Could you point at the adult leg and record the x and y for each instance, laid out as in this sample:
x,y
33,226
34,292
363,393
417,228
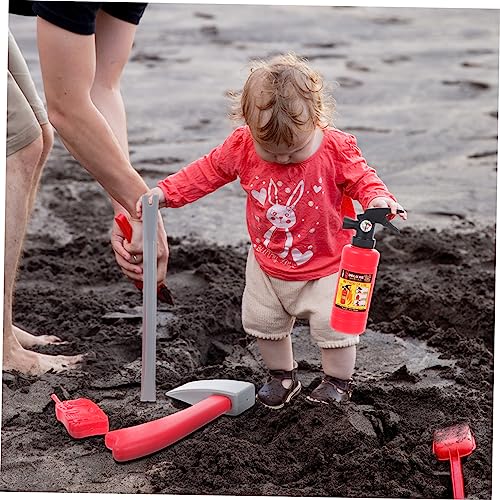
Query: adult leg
x,y
26,339
47,143
24,105
113,43
19,185
29,141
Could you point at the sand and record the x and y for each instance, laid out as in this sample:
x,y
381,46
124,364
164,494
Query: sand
x,y
419,89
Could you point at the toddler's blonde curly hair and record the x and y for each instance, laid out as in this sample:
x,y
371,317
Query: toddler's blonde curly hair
x,y
280,97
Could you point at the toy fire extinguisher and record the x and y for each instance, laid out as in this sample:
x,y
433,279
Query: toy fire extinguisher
x,y
358,268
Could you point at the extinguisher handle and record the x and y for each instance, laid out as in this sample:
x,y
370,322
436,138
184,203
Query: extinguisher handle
x,y
379,216
364,224
350,223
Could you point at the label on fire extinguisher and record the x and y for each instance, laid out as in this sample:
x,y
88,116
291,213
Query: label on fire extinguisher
x,y
353,291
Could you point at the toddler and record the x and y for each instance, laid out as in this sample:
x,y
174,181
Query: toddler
x,y
300,175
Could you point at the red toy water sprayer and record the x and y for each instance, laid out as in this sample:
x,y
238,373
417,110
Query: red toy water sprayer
x,y
358,268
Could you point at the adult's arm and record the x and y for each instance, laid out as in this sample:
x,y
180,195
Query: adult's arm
x,y
67,62
68,66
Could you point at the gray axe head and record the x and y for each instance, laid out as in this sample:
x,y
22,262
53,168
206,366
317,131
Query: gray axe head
x,y
241,394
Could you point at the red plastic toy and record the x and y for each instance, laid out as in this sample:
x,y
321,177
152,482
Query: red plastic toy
x,y
143,439
81,417
163,293
210,399
358,269
452,443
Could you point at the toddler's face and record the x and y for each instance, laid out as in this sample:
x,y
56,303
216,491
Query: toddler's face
x,y
300,150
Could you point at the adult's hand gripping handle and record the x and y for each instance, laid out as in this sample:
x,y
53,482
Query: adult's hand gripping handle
x,y
163,293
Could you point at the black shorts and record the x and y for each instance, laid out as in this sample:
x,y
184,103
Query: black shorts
x,y
79,17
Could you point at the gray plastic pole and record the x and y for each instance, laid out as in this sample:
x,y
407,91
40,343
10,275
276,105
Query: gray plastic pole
x,y
148,370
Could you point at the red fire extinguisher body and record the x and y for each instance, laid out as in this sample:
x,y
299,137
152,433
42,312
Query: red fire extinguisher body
x,y
355,282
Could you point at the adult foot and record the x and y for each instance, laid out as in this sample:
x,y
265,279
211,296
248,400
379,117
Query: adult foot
x,y
28,340
33,363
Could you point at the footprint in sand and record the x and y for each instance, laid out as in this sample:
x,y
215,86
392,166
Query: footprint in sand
x,y
147,58
467,64
396,59
468,86
169,160
326,45
204,15
211,30
356,66
391,20
369,129
479,52
312,57
483,154
349,83
197,126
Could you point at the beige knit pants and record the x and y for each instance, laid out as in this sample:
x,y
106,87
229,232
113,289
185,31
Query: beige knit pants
x,y
270,307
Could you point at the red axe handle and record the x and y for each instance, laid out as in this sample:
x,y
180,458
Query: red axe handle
x,y
143,439
124,225
163,292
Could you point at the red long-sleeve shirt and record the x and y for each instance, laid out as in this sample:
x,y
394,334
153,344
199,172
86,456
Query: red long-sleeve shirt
x,y
295,211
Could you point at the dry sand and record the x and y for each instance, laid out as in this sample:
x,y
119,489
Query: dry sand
x,y
419,88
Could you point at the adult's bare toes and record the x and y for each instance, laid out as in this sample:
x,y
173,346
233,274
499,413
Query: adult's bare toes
x,y
60,363
50,339
33,363
28,340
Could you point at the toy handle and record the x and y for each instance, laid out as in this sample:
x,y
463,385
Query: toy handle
x,y
143,439
124,225
457,479
163,292
55,399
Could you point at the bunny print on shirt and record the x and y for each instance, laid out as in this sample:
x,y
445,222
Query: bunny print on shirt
x,y
282,217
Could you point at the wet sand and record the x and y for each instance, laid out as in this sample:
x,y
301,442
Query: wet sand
x,y
418,87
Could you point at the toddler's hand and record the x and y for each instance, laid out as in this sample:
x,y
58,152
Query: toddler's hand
x,y
150,194
384,202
